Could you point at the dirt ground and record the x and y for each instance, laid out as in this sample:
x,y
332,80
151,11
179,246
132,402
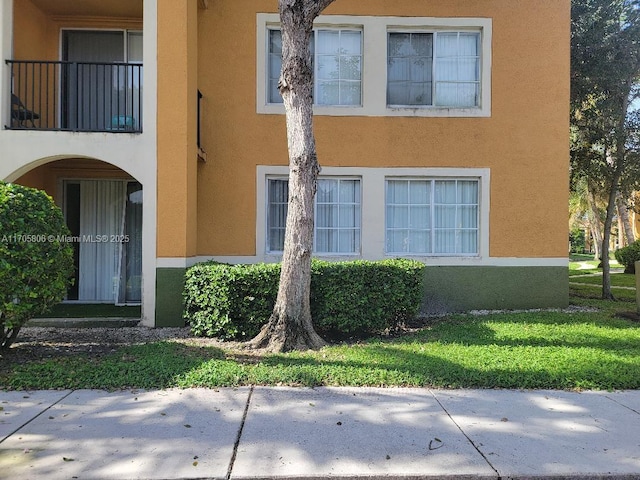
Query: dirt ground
x,y
38,343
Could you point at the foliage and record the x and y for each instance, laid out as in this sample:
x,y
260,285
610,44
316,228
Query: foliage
x,y
360,297
36,263
577,240
347,298
538,349
229,301
628,255
605,69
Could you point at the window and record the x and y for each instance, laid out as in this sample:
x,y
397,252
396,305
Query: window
x,y
387,66
432,217
433,69
337,62
337,215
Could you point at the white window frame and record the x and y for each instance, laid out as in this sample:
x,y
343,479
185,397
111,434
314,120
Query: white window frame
x,y
316,64
433,229
434,66
356,253
372,210
374,63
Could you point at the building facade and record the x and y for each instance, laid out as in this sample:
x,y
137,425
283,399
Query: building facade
x,y
441,128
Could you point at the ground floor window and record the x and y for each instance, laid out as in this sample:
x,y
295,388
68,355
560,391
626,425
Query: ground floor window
x,y
438,214
431,216
337,215
105,220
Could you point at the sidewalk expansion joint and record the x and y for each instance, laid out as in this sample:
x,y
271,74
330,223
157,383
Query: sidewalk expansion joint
x,y
32,419
466,436
622,404
237,442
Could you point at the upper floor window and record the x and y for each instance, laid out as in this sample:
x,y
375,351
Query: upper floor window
x,y
386,66
337,64
433,69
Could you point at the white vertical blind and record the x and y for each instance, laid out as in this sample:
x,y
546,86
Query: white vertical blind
x,y
432,216
274,65
337,228
457,69
102,207
337,215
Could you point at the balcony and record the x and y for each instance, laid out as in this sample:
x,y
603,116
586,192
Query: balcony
x,y
76,96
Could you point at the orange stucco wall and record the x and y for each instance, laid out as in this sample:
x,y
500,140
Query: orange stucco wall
x,y
49,177
524,142
36,34
177,127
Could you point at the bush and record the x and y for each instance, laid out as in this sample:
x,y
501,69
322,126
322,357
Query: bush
x,y
347,298
362,297
627,256
36,263
230,301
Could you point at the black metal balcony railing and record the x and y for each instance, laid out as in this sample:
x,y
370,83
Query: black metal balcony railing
x,y
76,96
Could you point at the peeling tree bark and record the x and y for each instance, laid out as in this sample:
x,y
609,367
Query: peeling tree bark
x,y
290,326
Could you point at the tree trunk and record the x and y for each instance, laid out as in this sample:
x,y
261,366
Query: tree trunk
x,y
625,221
595,224
290,326
614,186
606,237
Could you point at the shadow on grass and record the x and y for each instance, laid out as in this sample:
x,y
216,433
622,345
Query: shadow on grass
x,y
548,330
550,350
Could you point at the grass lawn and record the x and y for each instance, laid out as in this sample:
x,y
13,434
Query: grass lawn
x,y
617,280
594,291
555,350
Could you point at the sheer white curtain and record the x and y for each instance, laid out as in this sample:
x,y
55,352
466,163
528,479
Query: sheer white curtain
x,y
456,217
337,216
102,210
432,216
457,69
408,216
409,69
275,65
130,274
277,214
338,55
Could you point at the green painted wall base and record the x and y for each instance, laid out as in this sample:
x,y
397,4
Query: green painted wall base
x,y
447,289
459,289
169,303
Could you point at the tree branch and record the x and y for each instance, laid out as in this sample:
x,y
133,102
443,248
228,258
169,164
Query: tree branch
x,y
318,6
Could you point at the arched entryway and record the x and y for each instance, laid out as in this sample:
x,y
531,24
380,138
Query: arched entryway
x,y
103,208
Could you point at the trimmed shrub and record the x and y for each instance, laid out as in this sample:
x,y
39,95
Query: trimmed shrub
x,y
627,256
230,301
363,297
36,262
347,298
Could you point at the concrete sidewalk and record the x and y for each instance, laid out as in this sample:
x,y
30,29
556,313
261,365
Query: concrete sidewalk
x,y
266,432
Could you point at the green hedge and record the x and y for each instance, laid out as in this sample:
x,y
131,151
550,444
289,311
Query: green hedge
x,y
627,256
347,298
36,262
